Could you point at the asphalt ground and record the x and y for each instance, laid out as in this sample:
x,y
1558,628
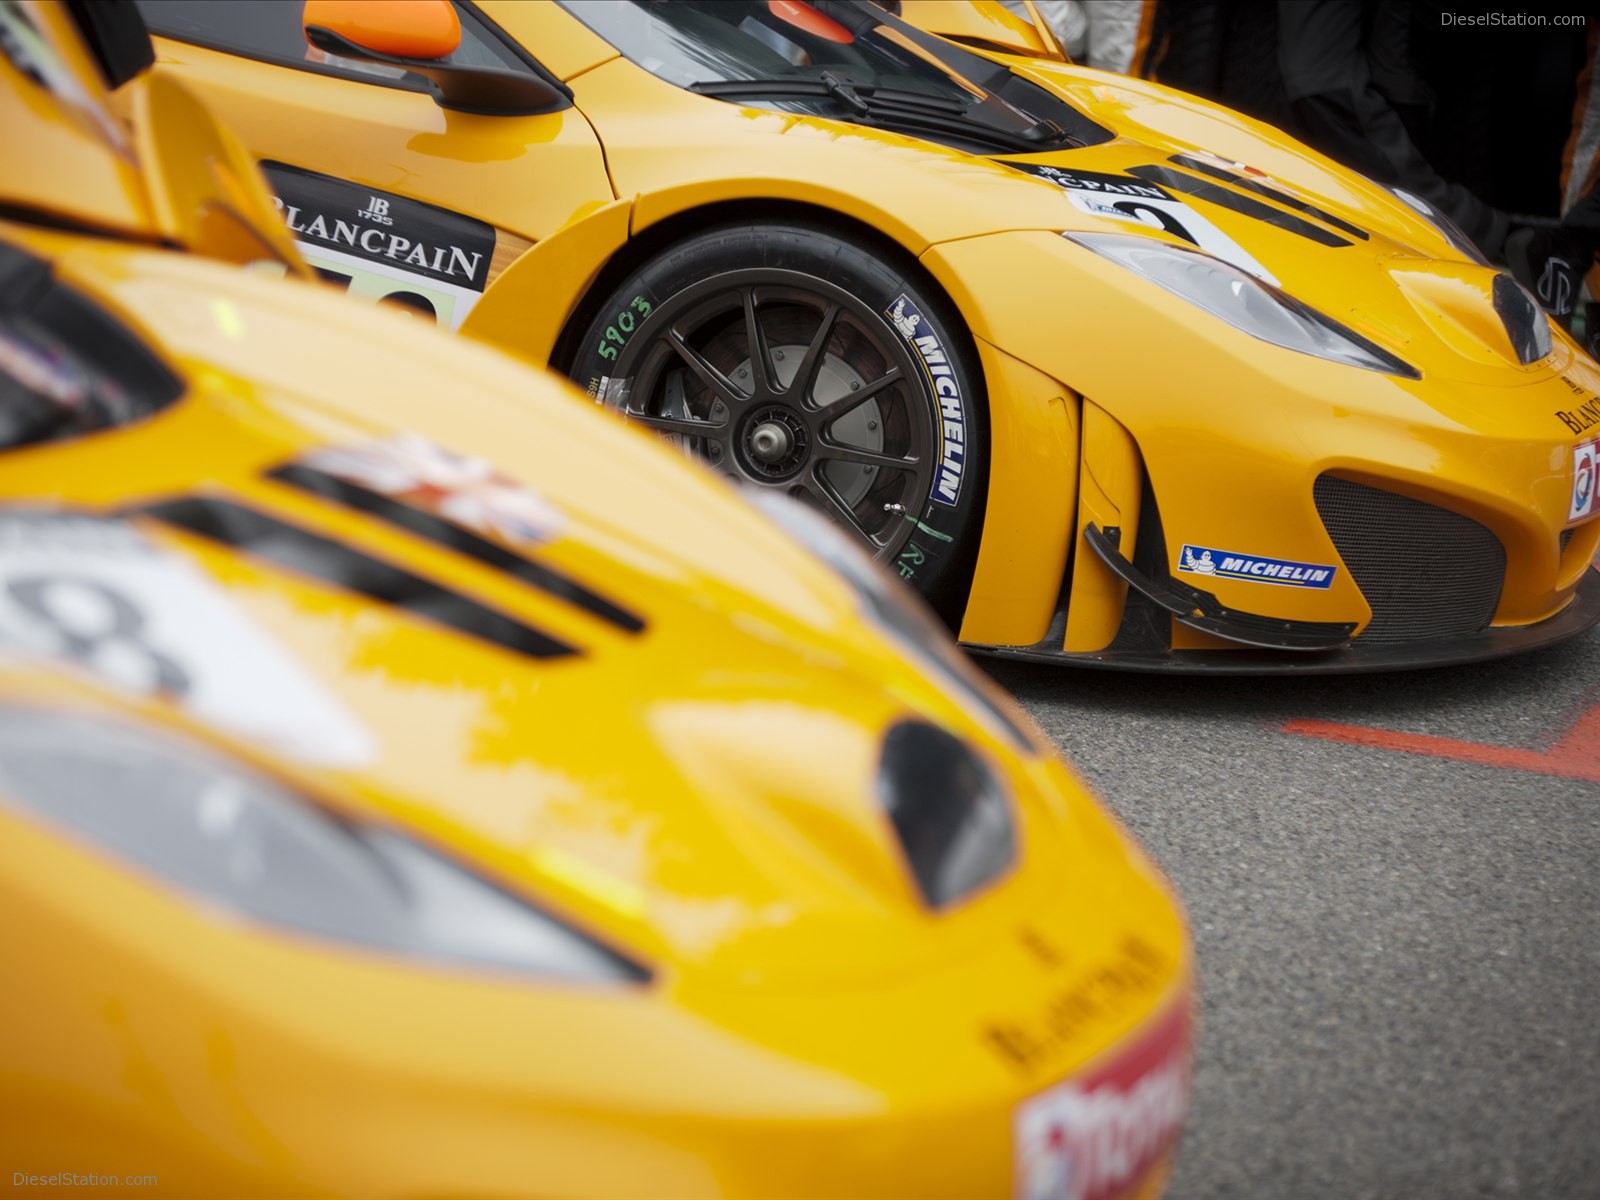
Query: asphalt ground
x,y
1398,934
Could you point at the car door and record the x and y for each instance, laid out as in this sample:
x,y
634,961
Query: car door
x,y
386,192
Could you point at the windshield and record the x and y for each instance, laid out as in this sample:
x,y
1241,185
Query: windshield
x,y
849,61
689,42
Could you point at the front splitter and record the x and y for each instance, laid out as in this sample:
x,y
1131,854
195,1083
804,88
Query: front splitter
x,y
1582,614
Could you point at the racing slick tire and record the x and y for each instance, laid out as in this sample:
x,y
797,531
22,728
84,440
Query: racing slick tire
x,y
863,401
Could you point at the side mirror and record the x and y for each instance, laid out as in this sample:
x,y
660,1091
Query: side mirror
x,y
401,28
415,35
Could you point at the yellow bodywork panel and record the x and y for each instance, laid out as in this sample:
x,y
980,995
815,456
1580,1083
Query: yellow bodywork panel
x,y
1028,524
205,189
986,22
518,313
1110,479
529,175
59,112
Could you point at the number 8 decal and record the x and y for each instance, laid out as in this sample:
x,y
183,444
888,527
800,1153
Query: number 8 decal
x,y
90,622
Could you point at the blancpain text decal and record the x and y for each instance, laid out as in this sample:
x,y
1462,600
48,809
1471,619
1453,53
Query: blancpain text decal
x,y
385,247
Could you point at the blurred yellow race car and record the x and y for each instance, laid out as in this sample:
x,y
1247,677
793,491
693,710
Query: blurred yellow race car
x,y
415,784
1112,375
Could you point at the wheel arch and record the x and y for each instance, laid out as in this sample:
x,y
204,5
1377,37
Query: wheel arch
x,y
653,239
647,241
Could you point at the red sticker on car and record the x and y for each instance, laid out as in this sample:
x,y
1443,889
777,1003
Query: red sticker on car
x,y
1091,1137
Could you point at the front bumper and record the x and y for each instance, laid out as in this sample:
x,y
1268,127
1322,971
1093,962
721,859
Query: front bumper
x,y
1430,516
1582,614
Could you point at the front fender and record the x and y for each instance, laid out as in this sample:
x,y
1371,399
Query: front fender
x,y
525,309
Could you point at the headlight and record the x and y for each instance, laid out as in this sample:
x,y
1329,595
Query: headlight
x,y
948,810
247,844
1242,300
1443,225
890,606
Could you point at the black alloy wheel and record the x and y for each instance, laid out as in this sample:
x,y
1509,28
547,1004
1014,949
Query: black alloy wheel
x,y
791,360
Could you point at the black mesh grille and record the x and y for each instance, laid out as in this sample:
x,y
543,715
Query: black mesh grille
x,y
1566,536
1427,572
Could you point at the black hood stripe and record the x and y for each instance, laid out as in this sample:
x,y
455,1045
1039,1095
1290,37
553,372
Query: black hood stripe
x,y
1215,193
1245,183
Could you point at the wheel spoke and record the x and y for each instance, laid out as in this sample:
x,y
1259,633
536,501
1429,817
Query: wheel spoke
x,y
838,452
687,426
720,384
805,378
851,401
760,353
837,508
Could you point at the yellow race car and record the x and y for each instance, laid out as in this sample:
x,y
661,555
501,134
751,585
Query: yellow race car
x,y
379,822
1112,375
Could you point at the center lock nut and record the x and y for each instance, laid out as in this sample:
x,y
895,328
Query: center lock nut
x,y
774,443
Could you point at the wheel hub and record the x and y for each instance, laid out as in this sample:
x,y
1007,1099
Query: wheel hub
x,y
830,412
770,441
774,444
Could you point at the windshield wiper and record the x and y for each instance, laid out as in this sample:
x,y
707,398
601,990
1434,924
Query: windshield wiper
x,y
844,93
893,107
826,84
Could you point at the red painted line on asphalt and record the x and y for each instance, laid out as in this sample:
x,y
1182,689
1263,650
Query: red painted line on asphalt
x,y
1575,756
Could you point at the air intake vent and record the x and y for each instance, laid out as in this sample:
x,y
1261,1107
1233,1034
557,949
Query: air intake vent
x,y
1428,573
1525,322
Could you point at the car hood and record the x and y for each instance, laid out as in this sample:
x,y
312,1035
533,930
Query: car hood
x,y
694,776
1286,214
1241,190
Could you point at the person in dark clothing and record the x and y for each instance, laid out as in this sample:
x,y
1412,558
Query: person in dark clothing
x,y
1355,95
1553,262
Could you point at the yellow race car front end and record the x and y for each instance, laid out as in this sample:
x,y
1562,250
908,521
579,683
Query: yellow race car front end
x,y
1115,377
413,783
464,838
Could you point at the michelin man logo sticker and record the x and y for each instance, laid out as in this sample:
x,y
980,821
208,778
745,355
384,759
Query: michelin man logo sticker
x,y
1224,564
952,423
